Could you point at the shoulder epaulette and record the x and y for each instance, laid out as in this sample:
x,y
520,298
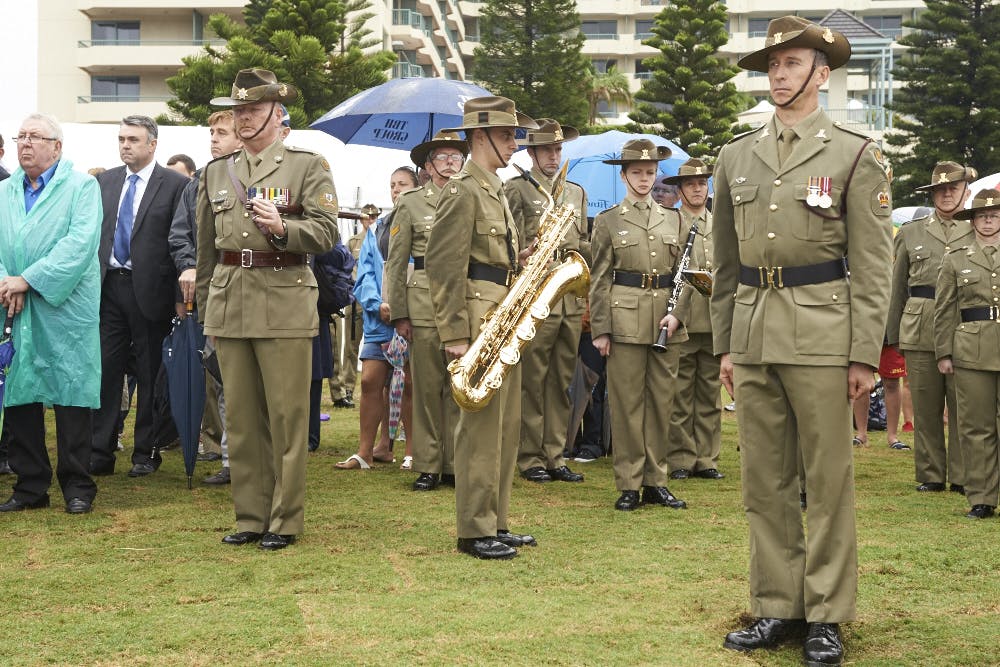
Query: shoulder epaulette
x,y
956,250
298,149
609,209
920,219
850,130
744,135
223,157
414,191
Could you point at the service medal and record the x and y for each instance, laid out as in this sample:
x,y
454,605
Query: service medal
x,y
825,187
812,199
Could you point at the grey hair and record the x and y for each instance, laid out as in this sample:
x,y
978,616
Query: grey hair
x,y
143,121
54,128
821,60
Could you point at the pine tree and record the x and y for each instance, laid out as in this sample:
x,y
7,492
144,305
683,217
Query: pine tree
x,y
950,107
530,51
690,93
311,44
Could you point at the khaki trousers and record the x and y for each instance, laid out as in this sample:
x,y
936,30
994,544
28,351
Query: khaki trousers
x,y
267,383
931,391
547,365
696,421
211,420
978,395
784,411
641,386
485,454
434,412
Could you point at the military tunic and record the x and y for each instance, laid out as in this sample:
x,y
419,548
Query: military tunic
x,y
920,246
696,422
474,224
970,278
434,413
791,347
548,361
637,237
264,320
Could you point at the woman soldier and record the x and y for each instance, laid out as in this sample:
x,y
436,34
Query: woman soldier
x,y
636,247
967,343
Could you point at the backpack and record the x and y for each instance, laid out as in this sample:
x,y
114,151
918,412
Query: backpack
x,y
334,276
876,409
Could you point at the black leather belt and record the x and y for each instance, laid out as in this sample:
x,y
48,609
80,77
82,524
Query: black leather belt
x,y
418,263
116,271
792,276
643,280
491,273
922,291
251,259
980,314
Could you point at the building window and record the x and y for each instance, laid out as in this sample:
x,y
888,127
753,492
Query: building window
x,y
114,88
600,29
890,26
644,29
757,27
602,66
606,109
642,71
114,32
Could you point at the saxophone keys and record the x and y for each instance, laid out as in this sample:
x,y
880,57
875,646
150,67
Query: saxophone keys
x,y
509,356
540,311
526,330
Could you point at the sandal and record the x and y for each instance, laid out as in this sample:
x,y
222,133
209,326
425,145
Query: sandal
x,y
353,462
407,463
858,442
899,445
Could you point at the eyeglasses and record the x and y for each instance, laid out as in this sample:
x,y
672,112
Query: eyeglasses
x,y
442,158
992,217
28,139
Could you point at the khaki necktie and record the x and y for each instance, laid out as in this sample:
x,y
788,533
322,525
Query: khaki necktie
x,y
990,251
786,144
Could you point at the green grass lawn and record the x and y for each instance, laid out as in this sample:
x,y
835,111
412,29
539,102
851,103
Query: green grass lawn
x,y
144,579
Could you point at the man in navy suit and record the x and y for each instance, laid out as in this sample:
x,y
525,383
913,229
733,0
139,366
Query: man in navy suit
x,y
138,288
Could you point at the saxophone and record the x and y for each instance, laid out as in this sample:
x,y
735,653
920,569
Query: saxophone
x,y
480,372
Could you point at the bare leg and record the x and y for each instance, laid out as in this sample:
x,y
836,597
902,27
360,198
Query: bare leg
x,y
893,399
860,407
373,376
407,409
907,402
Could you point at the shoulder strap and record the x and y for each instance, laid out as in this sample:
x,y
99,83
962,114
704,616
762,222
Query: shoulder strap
x,y
241,191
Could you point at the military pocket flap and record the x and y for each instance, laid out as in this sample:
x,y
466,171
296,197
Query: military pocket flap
x,y
743,194
221,276
491,227
627,240
967,279
626,301
289,277
970,327
746,294
223,202
914,306
821,295
670,239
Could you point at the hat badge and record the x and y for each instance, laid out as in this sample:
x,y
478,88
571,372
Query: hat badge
x,y
697,171
777,38
828,36
559,134
282,90
241,94
989,201
645,154
942,177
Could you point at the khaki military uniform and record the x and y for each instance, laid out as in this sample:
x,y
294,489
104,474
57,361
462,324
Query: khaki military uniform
x,y
264,320
970,278
791,347
474,224
920,246
346,335
548,361
637,237
696,422
434,412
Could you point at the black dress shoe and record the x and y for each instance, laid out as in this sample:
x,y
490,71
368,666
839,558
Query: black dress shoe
x,y
78,506
536,474
823,646
660,495
765,633
239,539
564,474
218,479
930,486
515,540
709,473
141,470
99,470
487,548
15,505
447,479
343,403
210,456
428,481
680,473
628,501
5,468
273,541
957,488
981,512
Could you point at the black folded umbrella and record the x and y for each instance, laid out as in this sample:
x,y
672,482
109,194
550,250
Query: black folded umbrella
x,y
182,358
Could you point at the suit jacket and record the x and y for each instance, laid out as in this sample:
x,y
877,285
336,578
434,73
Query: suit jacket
x,y
154,277
761,218
920,245
969,278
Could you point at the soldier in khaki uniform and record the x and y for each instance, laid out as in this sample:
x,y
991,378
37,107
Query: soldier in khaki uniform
x,y
636,247
434,413
548,361
795,202
471,257
967,344
920,246
696,422
257,296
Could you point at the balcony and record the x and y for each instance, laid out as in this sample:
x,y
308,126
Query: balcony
x,y
111,109
106,55
406,70
601,35
145,8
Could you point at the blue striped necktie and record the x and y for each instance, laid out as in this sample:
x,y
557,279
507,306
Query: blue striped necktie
x,y
126,216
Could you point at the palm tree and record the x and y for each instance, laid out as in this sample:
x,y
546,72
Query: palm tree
x,y
610,86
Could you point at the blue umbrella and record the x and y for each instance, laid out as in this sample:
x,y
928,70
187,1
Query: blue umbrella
x,y
400,113
182,352
602,182
6,357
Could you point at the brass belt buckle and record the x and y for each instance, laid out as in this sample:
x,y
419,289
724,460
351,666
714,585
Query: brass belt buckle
x,y
995,312
766,274
510,279
246,258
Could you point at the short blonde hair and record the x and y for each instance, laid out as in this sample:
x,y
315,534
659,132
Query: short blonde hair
x,y
226,115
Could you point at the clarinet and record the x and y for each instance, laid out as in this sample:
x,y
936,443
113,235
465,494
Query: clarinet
x,y
661,342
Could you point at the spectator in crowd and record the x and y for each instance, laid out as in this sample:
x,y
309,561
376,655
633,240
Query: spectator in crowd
x,y
347,329
182,164
50,228
138,291
666,193
4,174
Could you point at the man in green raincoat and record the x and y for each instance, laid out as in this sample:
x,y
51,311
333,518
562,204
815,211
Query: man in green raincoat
x,y
50,224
